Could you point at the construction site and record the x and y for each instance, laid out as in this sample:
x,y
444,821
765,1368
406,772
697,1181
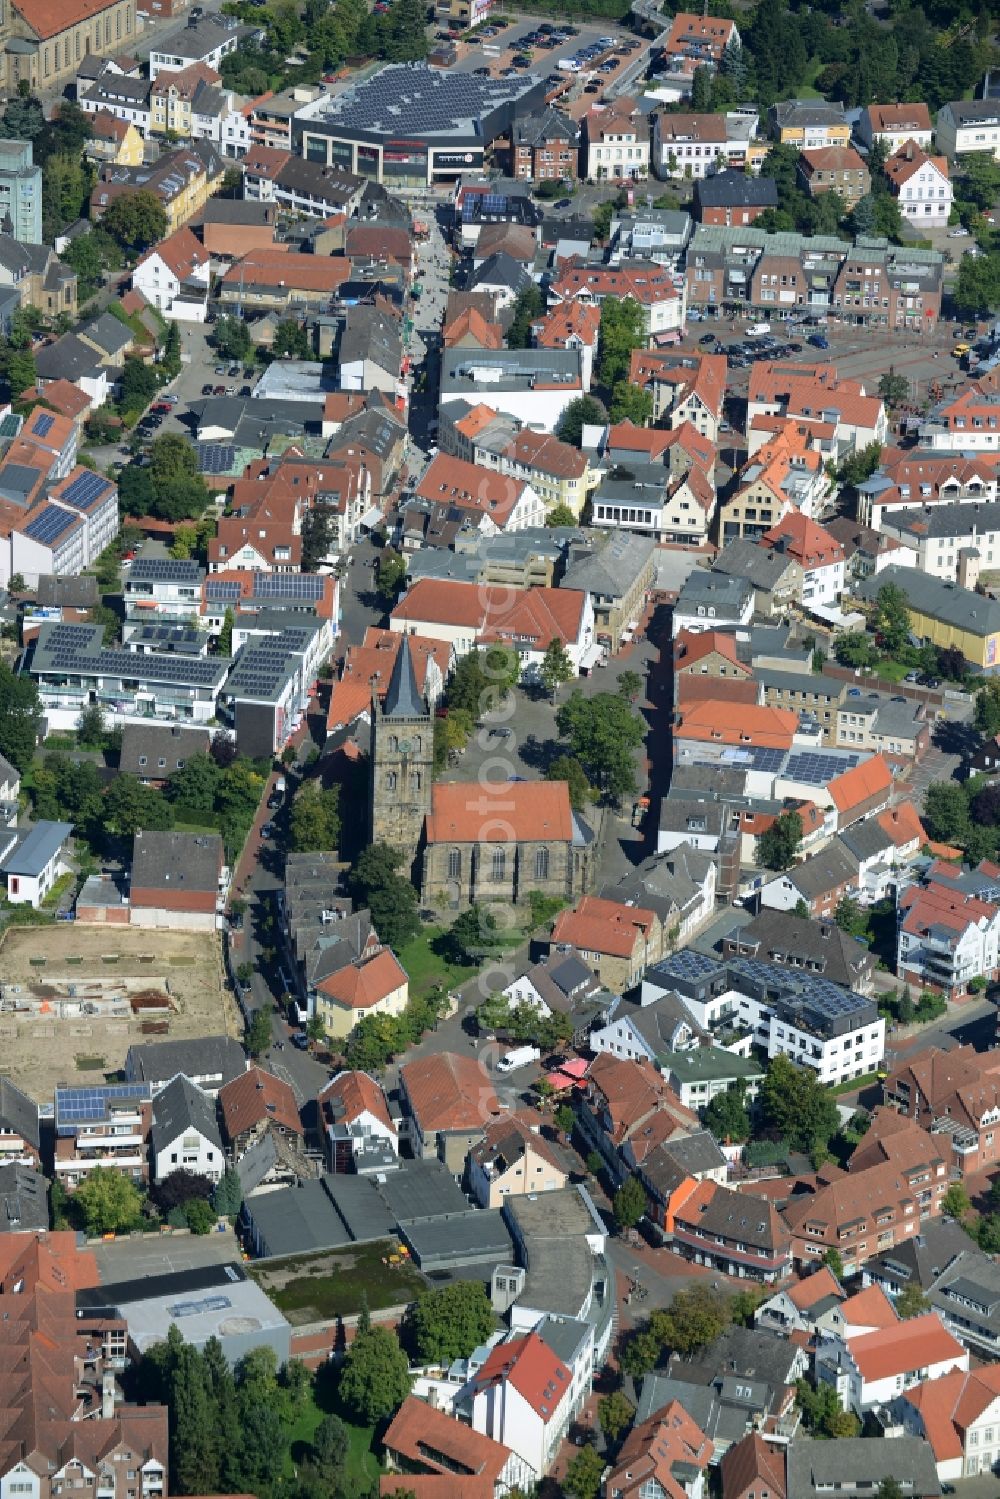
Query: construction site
x,y
72,1005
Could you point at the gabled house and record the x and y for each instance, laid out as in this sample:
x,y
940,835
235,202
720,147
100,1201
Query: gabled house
x,y
868,1370
184,1134
668,1455
355,1120
512,1160
734,1232
921,185
258,1103
448,1103
522,1398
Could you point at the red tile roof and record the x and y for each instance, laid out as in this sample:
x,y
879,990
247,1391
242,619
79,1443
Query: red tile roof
x,y
905,1346
949,1405
181,252
813,1288
427,1438
258,1097
47,18
692,646
469,486
521,812
270,266
869,1308
713,721
355,1093
799,537
603,926
753,1465
449,1092
365,984
653,1452
850,789
530,1367
908,160
537,615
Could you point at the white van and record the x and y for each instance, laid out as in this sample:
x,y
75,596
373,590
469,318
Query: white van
x,y
519,1057
757,330
568,65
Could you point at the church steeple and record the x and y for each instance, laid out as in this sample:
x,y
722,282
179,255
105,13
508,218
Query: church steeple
x,y
402,700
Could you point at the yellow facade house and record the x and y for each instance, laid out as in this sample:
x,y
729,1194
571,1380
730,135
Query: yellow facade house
x,y
371,986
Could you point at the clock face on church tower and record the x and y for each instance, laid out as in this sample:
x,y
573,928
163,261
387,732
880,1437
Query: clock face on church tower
x,y
405,746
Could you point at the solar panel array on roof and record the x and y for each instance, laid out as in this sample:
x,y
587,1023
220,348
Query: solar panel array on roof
x,y
818,768
288,586
43,423
215,457
687,964
412,98
766,759
164,570
75,1106
85,489
49,525
222,590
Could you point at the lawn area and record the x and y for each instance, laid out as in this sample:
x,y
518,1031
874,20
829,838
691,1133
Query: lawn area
x,y
892,671
362,1467
316,1287
854,1084
426,969
807,89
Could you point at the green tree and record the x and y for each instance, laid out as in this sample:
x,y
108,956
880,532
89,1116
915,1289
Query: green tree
x,y
258,1038
318,536
109,1201
794,1105
193,1436
726,1115
912,1302
986,717
615,1413
19,716
472,934
565,1119
955,1202
630,685
227,1199
528,307
135,220
621,331
701,90
196,784
854,649
603,733
199,1216
556,667
375,882
833,1262
447,1324
225,641
631,403
314,825
584,411
502,670
231,337
893,388
852,918
291,341
17,368
375,1379
946,812
16,585
629,1203
24,118
452,733
391,576
889,1488
582,1479
330,1443
137,384
778,845
467,686
129,807
560,515
92,727
568,768
891,619
696,1316
743,1305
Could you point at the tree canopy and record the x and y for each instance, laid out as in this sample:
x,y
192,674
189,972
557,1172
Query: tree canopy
x,y
449,1323
603,733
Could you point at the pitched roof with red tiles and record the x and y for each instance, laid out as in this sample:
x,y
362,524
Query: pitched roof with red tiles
x,y
470,323
902,824
424,1436
629,1093
691,687
692,646
854,787
647,283
47,18
568,324
505,1142
812,1289
753,1465
180,252
476,421
269,266
265,161
452,481
350,1095
64,397
904,1347
449,1092
962,1084
871,1309
701,375
653,1452
363,985
709,34
713,721
368,667
105,126
537,615
907,161
527,812
185,82
530,1367
545,453
603,926
652,442
832,159
258,1097
804,540
949,1405
937,908
893,118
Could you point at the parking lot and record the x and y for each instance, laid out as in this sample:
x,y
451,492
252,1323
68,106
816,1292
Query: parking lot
x,y
479,52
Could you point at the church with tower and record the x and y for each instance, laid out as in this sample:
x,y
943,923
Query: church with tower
x,y
463,841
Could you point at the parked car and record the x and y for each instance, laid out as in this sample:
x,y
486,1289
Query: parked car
x,y
818,341
267,830
206,390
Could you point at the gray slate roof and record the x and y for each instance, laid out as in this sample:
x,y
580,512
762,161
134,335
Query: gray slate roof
x,y
180,1106
34,851
859,1464
18,1113
613,569
167,861
153,742
732,189
24,1200
205,1056
944,601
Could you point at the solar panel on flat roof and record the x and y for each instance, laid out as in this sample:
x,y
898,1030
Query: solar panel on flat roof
x,y
215,457
288,585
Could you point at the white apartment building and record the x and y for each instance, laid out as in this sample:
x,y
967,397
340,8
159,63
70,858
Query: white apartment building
x,y
967,125
870,1370
921,185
